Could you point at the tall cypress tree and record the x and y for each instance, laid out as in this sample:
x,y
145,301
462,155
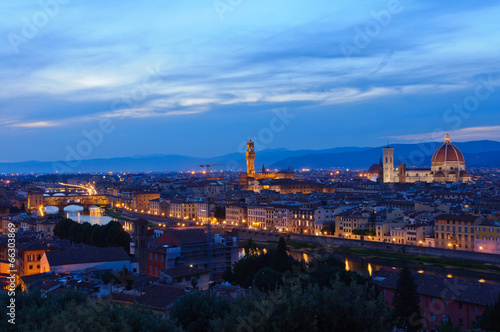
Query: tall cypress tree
x,y
406,301
490,319
280,259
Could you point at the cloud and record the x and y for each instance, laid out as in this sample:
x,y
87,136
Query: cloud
x,y
464,134
252,61
37,124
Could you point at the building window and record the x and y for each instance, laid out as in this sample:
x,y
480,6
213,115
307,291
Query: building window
x,y
433,316
474,308
459,305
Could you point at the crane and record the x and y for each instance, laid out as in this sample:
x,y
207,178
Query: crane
x,y
212,165
223,178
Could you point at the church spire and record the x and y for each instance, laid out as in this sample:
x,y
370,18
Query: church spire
x,y
447,138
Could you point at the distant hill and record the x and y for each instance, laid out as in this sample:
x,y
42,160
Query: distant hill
x,y
476,153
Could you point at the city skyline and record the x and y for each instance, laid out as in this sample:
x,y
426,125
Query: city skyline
x,y
300,76
229,165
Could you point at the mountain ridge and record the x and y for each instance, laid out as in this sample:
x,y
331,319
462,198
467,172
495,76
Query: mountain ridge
x,y
476,154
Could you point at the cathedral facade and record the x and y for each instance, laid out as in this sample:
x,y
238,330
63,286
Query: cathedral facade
x,y
447,165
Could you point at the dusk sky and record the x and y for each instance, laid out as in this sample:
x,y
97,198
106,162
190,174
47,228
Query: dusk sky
x,y
198,78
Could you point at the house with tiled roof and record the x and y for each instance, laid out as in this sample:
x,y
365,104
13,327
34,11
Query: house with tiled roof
x,y
81,259
442,298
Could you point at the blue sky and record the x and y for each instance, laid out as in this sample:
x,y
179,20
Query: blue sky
x,y
199,77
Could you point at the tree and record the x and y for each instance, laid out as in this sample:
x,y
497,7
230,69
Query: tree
x,y
330,230
194,310
126,279
371,221
406,301
447,327
109,235
94,235
490,319
72,310
280,261
220,212
84,233
294,308
245,269
194,282
324,271
73,232
108,277
267,279
251,248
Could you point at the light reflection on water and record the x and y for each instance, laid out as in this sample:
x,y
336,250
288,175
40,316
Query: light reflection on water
x,y
92,219
365,267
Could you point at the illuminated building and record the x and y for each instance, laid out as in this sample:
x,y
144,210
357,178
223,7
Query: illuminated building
x,y
447,165
455,231
247,178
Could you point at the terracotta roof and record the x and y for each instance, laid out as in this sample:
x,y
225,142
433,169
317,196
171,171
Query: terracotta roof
x,y
122,297
160,296
373,168
188,236
447,152
86,255
469,291
184,271
456,217
464,174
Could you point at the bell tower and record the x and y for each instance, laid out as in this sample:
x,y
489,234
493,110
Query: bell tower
x,y
250,155
388,165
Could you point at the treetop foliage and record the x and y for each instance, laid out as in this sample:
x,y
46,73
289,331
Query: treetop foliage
x,y
110,235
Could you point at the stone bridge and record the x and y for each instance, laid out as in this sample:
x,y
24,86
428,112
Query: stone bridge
x,y
85,201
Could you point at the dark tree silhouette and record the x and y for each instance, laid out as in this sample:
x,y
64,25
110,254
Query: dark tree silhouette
x,y
490,319
280,261
406,301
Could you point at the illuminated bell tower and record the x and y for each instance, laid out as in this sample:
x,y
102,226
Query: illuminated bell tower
x,y
250,155
388,165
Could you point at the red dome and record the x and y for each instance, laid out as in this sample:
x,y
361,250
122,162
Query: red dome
x,y
464,174
439,175
447,152
373,169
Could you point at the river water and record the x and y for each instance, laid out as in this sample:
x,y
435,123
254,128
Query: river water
x,y
367,265
95,217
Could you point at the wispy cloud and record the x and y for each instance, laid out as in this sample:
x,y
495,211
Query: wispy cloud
x,y
464,134
37,124
70,76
